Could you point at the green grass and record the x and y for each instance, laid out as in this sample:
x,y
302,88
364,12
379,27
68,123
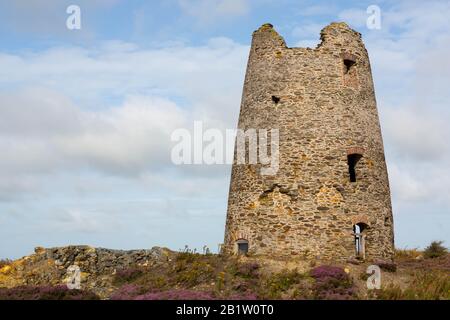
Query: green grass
x,y
424,286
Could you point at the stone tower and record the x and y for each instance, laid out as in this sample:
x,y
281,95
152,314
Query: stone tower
x,y
330,197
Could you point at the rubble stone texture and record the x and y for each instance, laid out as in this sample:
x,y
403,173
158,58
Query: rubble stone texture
x,y
327,117
49,266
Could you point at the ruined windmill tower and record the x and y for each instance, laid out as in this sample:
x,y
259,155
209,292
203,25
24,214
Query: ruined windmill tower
x,y
330,197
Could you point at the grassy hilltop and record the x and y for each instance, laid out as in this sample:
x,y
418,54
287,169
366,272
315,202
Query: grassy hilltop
x,y
160,273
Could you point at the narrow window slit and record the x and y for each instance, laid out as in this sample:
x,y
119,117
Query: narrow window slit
x,y
275,99
352,160
348,65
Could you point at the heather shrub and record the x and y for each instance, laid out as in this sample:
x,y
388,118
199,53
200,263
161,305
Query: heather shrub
x,y
176,294
127,275
127,292
326,272
136,292
435,250
187,270
332,283
193,273
247,270
46,293
150,278
278,283
387,266
154,281
240,287
243,296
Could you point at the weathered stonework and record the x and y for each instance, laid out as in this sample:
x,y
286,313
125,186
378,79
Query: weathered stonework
x,y
49,266
323,102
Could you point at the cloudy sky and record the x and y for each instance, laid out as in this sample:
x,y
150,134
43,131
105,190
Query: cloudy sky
x,y
86,115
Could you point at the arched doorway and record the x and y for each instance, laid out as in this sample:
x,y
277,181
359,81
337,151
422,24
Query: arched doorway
x,y
360,235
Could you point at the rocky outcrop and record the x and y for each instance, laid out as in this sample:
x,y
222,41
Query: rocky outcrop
x,y
49,266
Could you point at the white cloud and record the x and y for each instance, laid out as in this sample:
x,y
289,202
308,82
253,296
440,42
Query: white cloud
x,y
132,137
309,35
208,77
357,17
208,11
316,10
411,74
43,131
47,17
37,112
107,109
416,134
74,220
85,132
417,19
419,183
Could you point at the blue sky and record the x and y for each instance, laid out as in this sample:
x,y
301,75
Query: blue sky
x,y
86,115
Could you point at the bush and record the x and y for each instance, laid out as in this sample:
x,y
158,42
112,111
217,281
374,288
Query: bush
x,y
328,272
46,293
127,292
135,292
332,283
176,294
387,266
187,257
279,283
435,250
195,273
127,275
249,270
245,296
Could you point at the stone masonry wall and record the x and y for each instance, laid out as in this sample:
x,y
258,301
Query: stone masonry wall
x,y
326,110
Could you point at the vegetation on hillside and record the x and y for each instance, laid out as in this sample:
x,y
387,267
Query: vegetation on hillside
x,y
45,293
4,262
188,275
196,276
